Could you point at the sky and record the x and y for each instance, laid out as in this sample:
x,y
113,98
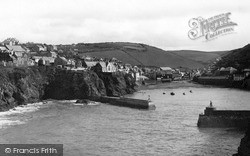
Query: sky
x,y
160,23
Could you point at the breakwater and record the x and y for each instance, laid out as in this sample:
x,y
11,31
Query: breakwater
x,y
220,81
125,102
224,118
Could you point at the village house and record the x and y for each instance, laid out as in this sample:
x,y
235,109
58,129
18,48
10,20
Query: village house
x,y
80,64
137,73
177,75
90,64
71,63
52,54
10,41
99,67
16,49
60,61
41,47
44,57
19,55
238,77
104,66
51,48
34,49
111,67
43,60
246,72
150,69
26,49
166,72
227,71
127,67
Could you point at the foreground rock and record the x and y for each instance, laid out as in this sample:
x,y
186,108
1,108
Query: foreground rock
x,y
244,148
20,86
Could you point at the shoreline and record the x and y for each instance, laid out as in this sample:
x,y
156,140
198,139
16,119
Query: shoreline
x,y
173,84
223,82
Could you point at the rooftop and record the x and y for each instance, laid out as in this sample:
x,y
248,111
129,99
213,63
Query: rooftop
x,y
15,48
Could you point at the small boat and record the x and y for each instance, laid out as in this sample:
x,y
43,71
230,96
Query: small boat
x,y
172,93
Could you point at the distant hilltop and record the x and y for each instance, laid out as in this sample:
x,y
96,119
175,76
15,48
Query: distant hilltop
x,y
145,55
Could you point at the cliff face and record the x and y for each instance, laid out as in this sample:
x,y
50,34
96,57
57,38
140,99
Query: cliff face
x,y
83,84
73,85
19,86
117,84
25,85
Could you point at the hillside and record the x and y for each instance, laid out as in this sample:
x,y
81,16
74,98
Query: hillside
x,y
200,56
137,54
238,58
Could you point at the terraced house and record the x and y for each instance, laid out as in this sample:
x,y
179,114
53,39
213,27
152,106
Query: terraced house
x,y
19,55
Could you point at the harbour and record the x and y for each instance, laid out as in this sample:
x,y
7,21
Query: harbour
x,y
111,130
124,78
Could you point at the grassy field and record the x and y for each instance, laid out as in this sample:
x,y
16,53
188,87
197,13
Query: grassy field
x,y
141,54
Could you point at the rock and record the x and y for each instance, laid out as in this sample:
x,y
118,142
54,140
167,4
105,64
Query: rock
x,y
19,86
118,84
83,101
74,85
244,148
